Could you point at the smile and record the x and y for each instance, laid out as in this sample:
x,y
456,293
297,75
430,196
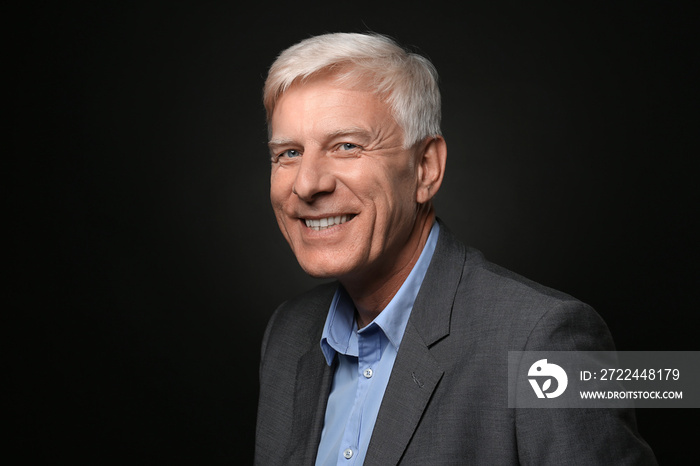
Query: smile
x,y
323,223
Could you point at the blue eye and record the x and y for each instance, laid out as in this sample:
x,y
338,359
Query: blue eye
x,y
291,153
348,146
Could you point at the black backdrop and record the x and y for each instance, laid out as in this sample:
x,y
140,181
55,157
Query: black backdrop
x,y
144,259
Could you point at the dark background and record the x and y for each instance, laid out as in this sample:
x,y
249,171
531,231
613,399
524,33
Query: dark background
x,y
144,259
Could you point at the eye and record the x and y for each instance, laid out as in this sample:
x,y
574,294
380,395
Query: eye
x,y
348,146
286,155
290,153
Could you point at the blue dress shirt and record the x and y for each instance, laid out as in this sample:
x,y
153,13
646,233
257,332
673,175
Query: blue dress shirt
x,y
365,359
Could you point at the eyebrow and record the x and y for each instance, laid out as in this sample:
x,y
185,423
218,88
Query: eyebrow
x,y
351,131
280,142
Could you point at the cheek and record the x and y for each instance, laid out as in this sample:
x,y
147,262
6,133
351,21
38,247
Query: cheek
x,y
398,191
384,180
279,189
277,200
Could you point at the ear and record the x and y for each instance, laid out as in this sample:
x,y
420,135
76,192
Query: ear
x,y
431,168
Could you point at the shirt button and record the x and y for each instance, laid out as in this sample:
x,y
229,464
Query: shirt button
x,y
347,454
368,373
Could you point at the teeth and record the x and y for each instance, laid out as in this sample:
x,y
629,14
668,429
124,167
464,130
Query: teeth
x,y
323,223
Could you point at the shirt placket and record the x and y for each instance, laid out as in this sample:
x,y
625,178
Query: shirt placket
x,y
369,353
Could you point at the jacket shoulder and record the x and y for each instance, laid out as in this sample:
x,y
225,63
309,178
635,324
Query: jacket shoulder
x,y
504,305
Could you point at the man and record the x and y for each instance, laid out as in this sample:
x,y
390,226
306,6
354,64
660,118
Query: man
x,y
402,360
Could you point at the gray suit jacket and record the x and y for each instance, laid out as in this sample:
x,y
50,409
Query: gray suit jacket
x,y
446,400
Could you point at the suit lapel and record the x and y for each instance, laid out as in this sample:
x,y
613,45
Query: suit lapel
x,y
313,384
414,378
416,373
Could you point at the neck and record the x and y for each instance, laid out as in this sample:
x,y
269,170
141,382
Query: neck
x,y
372,296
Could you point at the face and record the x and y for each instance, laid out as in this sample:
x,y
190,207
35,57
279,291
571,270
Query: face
x,y
343,187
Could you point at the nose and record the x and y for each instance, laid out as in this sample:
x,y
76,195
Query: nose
x,y
314,176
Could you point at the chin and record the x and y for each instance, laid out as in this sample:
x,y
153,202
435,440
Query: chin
x,y
319,274
325,267
320,270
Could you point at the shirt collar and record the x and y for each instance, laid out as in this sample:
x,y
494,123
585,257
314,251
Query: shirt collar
x,y
340,330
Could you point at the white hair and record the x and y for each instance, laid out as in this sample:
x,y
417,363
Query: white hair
x,y
406,81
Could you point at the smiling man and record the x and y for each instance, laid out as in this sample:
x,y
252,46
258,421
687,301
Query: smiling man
x,y
352,199
402,359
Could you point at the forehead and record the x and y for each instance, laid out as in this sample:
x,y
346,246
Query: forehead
x,y
324,105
